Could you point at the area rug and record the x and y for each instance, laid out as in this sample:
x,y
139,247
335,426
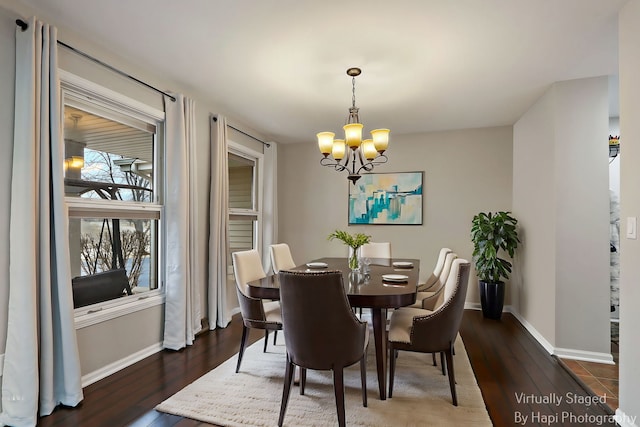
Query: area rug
x,y
421,394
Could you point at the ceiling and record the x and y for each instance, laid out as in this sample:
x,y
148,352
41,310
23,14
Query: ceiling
x,y
279,66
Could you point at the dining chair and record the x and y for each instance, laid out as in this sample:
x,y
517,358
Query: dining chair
x,y
375,250
433,298
281,258
437,270
321,332
425,331
247,266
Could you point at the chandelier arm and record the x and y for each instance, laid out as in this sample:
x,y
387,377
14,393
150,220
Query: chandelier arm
x,y
369,165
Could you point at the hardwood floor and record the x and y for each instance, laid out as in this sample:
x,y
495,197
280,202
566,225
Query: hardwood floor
x,y
509,365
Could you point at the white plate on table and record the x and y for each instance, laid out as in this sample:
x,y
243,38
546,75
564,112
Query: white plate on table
x,y
394,277
403,264
317,265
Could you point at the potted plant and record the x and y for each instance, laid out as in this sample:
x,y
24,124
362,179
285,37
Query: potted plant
x,y
493,234
353,241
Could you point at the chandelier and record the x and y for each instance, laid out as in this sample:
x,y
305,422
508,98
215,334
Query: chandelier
x,y
353,154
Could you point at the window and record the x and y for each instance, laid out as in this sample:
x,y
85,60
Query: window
x,y
113,174
244,200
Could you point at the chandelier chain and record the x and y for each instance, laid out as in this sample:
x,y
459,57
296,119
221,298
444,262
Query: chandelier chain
x,y
353,91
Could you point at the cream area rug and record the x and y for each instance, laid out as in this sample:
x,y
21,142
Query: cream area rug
x,y
421,394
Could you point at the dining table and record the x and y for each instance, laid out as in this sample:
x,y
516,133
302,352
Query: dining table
x,y
382,284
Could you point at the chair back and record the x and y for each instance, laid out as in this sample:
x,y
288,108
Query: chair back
x,y
320,329
247,266
437,270
281,258
437,331
440,284
376,250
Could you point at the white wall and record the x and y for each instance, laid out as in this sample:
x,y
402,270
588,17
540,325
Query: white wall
x,y
465,172
629,72
533,194
582,215
561,195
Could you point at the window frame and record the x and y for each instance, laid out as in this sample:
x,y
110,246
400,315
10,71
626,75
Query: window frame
x,y
257,190
76,90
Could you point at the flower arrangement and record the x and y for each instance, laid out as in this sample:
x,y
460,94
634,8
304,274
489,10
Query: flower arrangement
x,y
353,241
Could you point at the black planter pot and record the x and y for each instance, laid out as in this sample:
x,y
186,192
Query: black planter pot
x,y
491,299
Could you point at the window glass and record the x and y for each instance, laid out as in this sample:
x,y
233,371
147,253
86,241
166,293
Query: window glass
x,y
106,159
244,215
111,171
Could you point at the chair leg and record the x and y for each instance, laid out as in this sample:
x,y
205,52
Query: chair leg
x,y
433,356
338,390
392,368
243,341
363,378
303,380
275,336
266,336
452,378
286,391
444,372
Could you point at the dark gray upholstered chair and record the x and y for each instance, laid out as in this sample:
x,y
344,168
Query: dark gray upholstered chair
x,y
321,332
247,266
424,331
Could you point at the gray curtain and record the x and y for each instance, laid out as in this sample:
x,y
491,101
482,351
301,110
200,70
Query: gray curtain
x,y
218,225
42,364
182,303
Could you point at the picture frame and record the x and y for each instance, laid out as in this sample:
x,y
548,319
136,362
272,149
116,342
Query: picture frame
x,y
392,198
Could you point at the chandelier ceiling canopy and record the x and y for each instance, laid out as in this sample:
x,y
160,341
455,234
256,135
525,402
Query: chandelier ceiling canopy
x,y
353,154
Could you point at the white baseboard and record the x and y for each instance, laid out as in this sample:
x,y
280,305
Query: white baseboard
x,y
587,356
116,366
624,420
533,331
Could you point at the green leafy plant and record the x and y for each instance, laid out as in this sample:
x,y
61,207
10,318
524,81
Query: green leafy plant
x,y
492,233
354,241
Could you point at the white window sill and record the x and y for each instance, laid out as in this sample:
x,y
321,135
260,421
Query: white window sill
x,y
87,316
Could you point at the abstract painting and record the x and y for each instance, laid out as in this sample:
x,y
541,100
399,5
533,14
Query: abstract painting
x,y
387,198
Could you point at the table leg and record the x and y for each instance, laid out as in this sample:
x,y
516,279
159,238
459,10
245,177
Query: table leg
x,y
380,336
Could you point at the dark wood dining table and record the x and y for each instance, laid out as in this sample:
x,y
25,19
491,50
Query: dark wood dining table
x,y
364,290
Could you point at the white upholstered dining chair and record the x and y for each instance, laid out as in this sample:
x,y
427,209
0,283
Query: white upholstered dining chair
x,y
375,250
247,266
434,297
281,258
426,331
437,270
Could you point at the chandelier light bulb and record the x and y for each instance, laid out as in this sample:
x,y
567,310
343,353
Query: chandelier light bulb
x,y
338,149
325,142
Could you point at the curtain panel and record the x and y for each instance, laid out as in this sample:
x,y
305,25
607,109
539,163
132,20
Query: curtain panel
x,y
182,302
270,203
218,225
42,365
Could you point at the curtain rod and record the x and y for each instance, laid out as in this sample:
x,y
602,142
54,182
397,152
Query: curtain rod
x,y
23,25
215,119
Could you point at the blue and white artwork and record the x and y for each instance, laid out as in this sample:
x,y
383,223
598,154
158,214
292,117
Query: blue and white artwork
x,y
387,198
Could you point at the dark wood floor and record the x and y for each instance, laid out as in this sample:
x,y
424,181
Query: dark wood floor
x,y
507,361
